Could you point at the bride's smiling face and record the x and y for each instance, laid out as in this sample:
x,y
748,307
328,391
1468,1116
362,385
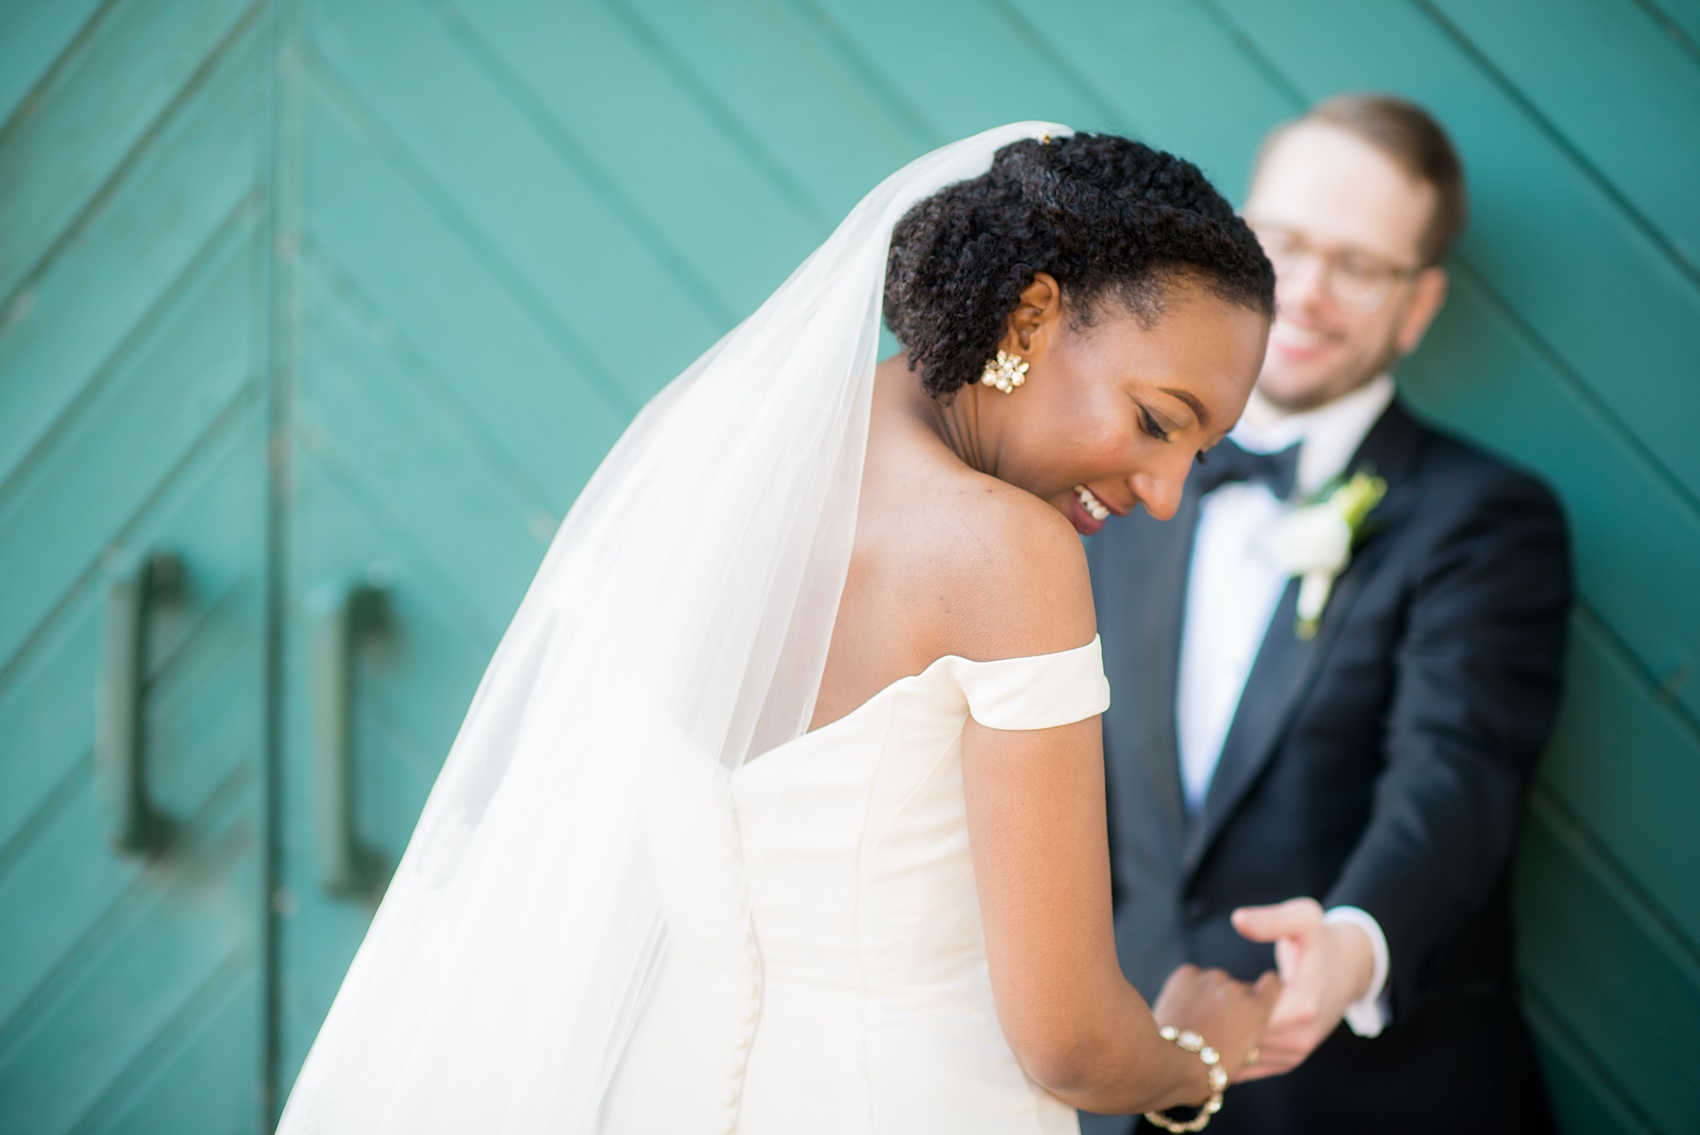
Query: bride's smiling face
x,y
1117,405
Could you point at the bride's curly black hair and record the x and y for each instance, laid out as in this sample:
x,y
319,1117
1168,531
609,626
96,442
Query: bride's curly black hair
x,y
1104,215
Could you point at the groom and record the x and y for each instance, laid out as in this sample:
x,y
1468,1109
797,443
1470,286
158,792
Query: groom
x,y
1338,797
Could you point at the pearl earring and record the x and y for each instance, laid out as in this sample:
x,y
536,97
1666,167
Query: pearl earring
x,y
1005,372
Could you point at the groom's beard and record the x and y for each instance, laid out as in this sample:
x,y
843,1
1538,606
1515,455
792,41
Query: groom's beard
x,y
1322,393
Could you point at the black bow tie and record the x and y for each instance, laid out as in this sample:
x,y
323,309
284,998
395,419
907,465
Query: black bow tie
x,y
1228,462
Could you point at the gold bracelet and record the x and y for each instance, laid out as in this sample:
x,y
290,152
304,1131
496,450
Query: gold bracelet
x,y
1192,1042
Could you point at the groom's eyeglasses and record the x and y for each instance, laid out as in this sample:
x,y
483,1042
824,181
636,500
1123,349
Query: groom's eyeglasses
x,y
1357,278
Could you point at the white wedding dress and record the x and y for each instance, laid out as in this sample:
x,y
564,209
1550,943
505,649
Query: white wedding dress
x,y
859,997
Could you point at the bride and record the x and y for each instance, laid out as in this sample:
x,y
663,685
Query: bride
x,y
780,806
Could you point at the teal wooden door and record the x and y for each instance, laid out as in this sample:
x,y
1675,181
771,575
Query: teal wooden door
x,y
341,301
132,423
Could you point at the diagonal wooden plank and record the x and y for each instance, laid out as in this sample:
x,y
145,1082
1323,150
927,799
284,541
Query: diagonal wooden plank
x,y
529,213
1627,765
437,649
693,186
134,255
46,718
844,48
33,38
1640,84
60,897
62,405
356,408
499,357
182,382
1607,969
345,304
149,962
967,83
790,85
46,715
128,76
730,136
1679,19
1481,373
198,1074
1174,77
1583,1095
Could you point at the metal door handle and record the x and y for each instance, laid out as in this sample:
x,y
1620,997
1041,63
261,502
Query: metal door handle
x,y
134,583
337,616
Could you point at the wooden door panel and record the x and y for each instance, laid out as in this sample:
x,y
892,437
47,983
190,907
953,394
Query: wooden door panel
x,y
389,248
133,422
411,685
714,201
1610,973
201,1075
802,101
190,377
385,427
1641,802
35,39
166,947
173,207
1641,84
519,183
94,111
1482,372
45,712
86,931
1579,1093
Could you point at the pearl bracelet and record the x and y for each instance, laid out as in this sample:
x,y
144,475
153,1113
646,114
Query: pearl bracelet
x,y
1192,1042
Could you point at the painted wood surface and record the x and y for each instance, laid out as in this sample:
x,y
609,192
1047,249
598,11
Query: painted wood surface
x,y
326,293
132,419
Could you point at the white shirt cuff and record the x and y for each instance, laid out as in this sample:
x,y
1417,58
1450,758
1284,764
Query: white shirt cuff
x,y
1372,1012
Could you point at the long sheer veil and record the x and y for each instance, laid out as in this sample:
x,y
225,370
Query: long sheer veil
x,y
578,843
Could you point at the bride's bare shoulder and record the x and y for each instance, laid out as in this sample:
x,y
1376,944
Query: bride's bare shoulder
x,y
953,561
1007,570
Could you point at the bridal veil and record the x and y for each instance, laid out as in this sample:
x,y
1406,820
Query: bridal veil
x,y
574,841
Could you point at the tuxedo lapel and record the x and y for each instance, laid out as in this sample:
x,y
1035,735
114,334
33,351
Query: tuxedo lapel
x,y
1286,665
1143,611
1169,571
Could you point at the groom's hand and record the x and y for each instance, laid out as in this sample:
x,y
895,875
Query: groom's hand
x,y
1324,967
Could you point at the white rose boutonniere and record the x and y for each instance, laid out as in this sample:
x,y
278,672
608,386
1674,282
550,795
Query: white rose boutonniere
x,y
1315,541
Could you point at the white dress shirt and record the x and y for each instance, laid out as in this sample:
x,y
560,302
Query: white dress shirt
x,y
1233,589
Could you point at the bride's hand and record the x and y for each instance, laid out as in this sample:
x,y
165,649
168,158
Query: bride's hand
x,y
1230,1015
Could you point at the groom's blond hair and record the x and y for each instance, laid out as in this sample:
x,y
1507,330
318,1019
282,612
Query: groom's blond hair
x,y
1416,143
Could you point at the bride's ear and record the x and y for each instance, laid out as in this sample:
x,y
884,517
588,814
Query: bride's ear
x,y
1036,316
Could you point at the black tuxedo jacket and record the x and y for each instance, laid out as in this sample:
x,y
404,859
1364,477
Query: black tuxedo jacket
x,y
1382,764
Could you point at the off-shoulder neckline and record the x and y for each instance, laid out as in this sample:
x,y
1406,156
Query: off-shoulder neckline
x,y
924,672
